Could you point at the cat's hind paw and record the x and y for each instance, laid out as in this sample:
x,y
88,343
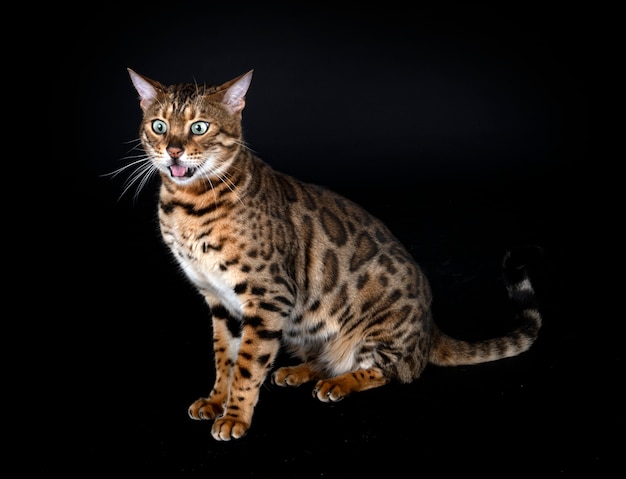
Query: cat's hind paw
x,y
293,375
330,391
339,387
205,409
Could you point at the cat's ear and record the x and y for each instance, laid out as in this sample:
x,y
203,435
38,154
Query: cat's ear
x,y
235,96
147,89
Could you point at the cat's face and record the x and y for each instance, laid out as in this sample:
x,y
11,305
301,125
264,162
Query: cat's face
x,y
189,140
190,132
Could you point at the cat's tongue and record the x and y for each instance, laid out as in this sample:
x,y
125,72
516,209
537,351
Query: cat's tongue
x,y
178,170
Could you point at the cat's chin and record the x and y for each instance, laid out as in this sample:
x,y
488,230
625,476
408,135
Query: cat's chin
x,y
183,181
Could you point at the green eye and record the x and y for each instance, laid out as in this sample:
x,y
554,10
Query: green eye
x,y
199,127
159,127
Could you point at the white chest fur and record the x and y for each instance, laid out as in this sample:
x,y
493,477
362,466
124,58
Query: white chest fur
x,y
202,268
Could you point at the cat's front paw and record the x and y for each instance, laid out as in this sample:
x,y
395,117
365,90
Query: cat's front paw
x,y
225,429
205,409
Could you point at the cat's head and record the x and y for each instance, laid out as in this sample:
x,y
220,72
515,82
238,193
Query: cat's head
x,y
191,132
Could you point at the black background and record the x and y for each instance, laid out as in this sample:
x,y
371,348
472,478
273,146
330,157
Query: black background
x,y
463,125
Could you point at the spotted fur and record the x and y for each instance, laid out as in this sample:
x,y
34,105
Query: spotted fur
x,y
282,263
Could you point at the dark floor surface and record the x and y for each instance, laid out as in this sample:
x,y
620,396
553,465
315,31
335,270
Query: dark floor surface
x,y
484,156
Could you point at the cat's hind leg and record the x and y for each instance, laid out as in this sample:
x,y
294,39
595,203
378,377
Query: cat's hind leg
x,y
295,375
330,389
337,388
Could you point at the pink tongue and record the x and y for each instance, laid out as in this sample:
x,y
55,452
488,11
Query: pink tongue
x,y
178,170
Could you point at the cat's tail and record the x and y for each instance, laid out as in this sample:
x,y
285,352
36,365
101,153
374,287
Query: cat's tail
x,y
448,351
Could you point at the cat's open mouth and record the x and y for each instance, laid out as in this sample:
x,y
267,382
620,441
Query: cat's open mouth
x,y
180,171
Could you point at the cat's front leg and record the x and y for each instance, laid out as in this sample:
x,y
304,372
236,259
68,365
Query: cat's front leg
x,y
226,333
260,341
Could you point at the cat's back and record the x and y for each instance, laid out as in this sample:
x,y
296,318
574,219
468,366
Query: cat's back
x,y
342,240
341,219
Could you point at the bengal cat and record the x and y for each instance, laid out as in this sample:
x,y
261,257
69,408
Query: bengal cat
x,y
282,263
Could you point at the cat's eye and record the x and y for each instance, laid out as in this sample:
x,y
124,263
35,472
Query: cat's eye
x,y
159,127
199,127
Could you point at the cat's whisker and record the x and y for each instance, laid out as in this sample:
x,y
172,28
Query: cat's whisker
x,y
137,146
134,140
140,180
147,174
143,170
245,145
224,178
140,157
207,176
114,173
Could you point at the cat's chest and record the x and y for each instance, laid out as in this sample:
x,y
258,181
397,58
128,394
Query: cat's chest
x,y
203,249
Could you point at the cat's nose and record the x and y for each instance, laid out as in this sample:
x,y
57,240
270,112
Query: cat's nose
x,y
174,152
